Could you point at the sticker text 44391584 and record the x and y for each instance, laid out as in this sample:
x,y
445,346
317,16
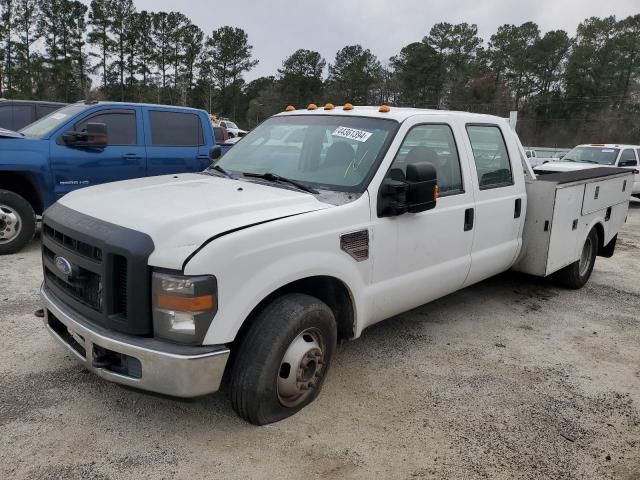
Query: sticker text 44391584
x,y
352,134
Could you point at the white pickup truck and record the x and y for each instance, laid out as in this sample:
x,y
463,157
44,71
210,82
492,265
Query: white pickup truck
x,y
320,223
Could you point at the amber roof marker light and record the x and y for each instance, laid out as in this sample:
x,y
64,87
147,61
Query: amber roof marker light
x,y
290,108
384,108
347,106
329,106
312,106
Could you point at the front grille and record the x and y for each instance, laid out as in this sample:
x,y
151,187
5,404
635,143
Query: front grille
x,y
120,285
84,249
86,289
110,280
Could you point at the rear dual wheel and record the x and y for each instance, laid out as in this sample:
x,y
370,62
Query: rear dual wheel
x,y
578,273
281,363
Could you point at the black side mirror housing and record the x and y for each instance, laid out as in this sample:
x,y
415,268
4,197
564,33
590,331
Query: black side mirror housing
x,y
418,193
215,153
94,136
423,187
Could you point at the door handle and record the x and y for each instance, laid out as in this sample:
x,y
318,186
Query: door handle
x,y
518,209
468,219
131,156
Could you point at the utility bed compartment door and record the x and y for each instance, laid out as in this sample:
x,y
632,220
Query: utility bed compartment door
x,y
563,243
605,193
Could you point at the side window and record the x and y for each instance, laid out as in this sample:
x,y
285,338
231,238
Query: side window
x,y
6,119
173,129
490,154
433,144
629,156
22,116
44,110
121,126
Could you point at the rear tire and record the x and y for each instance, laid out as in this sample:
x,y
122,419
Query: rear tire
x,y
282,361
578,273
17,222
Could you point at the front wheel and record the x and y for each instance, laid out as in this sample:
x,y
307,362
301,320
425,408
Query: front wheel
x,y
578,273
282,361
17,222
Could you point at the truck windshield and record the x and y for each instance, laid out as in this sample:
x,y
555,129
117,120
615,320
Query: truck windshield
x,y
47,124
330,152
599,155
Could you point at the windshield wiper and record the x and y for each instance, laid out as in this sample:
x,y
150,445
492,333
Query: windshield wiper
x,y
272,177
223,171
590,161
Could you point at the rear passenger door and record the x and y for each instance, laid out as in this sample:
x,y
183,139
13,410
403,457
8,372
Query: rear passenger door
x,y
175,143
500,200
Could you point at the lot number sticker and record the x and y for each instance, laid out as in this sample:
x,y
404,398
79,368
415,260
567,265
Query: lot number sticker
x,y
352,134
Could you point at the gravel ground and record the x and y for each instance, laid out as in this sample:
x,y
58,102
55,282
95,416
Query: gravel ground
x,y
511,378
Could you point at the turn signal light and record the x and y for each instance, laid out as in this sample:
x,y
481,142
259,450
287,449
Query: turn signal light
x,y
312,106
347,106
185,304
384,109
290,108
436,192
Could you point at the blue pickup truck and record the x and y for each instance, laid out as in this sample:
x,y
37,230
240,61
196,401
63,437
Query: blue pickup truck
x,y
89,143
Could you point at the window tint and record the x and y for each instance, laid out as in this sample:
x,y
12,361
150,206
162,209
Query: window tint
x,y
121,126
175,129
628,155
491,157
433,144
22,116
44,110
6,120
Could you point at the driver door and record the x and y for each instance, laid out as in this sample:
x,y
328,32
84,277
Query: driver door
x,y
423,256
124,156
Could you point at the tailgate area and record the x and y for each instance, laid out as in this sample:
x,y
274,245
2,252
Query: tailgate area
x,y
561,210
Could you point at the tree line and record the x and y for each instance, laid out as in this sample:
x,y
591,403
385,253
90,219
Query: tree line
x,y
566,88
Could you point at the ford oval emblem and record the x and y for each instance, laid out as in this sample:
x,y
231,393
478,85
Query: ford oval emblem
x,y
63,265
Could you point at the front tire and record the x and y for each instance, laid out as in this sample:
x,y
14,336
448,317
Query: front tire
x,y
17,222
578,273
282,361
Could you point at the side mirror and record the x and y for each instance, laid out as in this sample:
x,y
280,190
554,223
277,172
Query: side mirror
x,y
528,154
418,193
215,153
94,136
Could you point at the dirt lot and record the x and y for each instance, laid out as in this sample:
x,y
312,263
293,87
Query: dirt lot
x,y
512,378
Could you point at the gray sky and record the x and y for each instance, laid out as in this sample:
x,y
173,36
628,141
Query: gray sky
x,y
276,28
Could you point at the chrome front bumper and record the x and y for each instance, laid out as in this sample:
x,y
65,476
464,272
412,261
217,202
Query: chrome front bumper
x,y
162,367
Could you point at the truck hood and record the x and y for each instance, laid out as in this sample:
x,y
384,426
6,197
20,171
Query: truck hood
x,y
568,166
181,212
4,133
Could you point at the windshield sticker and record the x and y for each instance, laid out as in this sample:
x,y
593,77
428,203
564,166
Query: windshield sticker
x,y
59,116
352,134
607,150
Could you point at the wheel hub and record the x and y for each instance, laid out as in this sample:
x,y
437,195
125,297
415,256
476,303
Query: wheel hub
x,y
10,225
301,368
585,257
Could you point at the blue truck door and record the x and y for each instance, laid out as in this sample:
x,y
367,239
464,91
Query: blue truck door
x,y
124,156
175,142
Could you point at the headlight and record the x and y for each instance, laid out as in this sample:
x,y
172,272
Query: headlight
x,y
183,306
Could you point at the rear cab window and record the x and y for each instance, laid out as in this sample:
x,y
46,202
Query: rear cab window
x,y
175,129
493,165
628,156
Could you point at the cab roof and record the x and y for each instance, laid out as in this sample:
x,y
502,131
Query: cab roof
x,y
399,114
607,145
